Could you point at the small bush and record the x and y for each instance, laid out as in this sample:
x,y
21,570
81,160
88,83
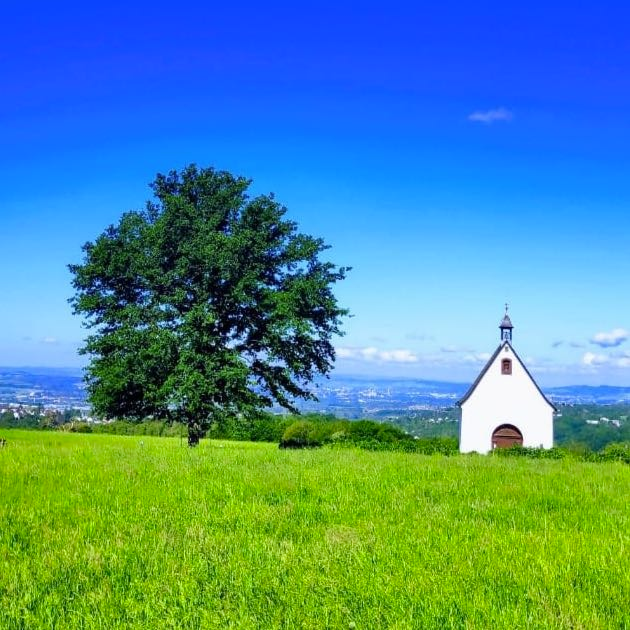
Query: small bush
x,y
301,434
80,427
367,430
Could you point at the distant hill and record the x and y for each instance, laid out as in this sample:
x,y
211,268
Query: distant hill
x,y
588,394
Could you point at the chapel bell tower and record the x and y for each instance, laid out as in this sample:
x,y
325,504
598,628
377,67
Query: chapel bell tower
x,y
506,327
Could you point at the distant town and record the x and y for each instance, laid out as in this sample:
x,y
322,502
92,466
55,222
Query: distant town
x,y
62,389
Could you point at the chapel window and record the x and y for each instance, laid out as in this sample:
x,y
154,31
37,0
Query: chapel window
x,y
506,366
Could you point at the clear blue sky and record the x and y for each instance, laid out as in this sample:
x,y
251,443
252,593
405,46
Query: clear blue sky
x,y
457,157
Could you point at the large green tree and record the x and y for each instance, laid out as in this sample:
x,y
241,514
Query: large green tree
x,y
205,305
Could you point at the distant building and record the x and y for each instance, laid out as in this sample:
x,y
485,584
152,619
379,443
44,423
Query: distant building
x,y
505,406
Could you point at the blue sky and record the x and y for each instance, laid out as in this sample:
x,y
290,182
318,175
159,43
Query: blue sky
x,y
456,157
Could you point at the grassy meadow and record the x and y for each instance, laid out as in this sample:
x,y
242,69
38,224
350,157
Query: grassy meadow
x,y
110,532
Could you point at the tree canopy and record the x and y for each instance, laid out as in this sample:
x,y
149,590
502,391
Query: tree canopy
x,y
206,304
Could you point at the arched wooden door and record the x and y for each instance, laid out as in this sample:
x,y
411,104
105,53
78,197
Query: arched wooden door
x,y
505,436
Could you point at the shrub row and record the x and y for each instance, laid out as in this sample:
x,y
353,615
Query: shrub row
x,y
314,430
533,453
263,427
616,452
122,427
374,436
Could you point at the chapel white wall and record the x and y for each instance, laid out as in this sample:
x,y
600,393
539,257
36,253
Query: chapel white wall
x,y
505,399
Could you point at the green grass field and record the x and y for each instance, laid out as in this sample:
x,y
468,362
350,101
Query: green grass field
x,y
122,532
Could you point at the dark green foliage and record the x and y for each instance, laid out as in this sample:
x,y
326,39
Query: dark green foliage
x,y
268,428
424,446
378,436
366,430
611,453
8,420
300,434
148,427
619,452
316,430
260,427
572,426
205,307
80,427
366,434
428,422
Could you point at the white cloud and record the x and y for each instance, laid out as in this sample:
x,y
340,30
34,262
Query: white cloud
x,y
489,116
345,353
620,359
369,353
610,339
49,340
374,354
615,360
399,356
593,360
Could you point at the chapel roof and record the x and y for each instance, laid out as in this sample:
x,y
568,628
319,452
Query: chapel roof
x,y
472,388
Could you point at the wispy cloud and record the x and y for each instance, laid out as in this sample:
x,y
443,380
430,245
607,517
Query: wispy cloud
x,y
374,354
572,344
419,337
489,116
477,357
453,348
549,368
50,340
378,339
610,339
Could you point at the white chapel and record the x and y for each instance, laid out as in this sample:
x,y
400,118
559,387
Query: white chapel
x,y
505,406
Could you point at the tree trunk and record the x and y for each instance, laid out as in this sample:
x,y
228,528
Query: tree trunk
x,y
195,433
